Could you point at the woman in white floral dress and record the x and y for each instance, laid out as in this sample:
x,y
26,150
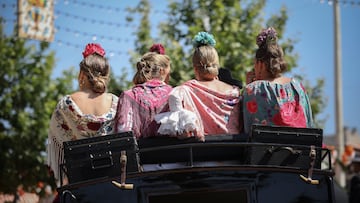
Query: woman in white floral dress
x,y
88,112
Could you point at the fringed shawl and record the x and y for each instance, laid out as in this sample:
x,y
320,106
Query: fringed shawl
x,y
69,123
138,106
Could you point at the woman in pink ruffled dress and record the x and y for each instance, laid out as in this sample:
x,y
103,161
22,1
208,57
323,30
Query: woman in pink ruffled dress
x,y
205,105
138,105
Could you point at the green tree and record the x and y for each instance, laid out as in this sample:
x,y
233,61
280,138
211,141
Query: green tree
x,y
143,34
28,97
235,25
120,83
317,97
144,41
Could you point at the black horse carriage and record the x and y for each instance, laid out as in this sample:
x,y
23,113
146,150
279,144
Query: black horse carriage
x,y
273,164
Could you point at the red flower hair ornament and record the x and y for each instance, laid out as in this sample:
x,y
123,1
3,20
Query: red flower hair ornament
x,y
92,48
158,48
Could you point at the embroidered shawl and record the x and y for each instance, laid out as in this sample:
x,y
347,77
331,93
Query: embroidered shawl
x,y
138,106
69,123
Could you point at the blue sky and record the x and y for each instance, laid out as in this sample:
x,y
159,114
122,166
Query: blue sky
x,y
310,21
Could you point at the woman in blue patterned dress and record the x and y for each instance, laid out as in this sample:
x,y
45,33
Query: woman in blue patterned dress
x,y
270,98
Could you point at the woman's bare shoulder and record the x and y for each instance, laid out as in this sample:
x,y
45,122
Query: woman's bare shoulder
x,y
222,86
282,80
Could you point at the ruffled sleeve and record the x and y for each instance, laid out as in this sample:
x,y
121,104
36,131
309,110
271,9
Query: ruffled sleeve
x,y
179,122
125,119
305,102
276,104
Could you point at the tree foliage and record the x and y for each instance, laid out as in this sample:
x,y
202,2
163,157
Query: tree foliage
x,y
119,83
28,97
318,99
143,33
234,24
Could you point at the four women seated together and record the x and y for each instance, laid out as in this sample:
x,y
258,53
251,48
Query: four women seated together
x,y
204,106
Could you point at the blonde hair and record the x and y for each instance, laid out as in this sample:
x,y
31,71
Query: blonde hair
x,y
206,61
97,70
149,67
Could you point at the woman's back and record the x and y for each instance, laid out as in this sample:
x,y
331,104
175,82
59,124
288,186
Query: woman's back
x,y
270,98
217,85
77,123
216,104
138,106
89,103
204,105
148,97
88,112
69,122
271,103
202,108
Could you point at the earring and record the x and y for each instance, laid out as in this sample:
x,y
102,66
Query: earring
x,y
81,83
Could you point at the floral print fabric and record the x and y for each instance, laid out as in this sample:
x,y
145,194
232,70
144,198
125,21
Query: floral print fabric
x,y
275,104
138,106
69,123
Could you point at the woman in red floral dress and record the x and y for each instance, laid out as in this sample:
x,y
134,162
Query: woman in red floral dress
x,y
269,98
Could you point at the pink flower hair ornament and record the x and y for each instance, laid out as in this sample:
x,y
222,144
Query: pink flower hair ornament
x,y
92,48
158,48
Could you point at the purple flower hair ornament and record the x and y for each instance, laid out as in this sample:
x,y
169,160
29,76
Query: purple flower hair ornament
x,y
266,36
